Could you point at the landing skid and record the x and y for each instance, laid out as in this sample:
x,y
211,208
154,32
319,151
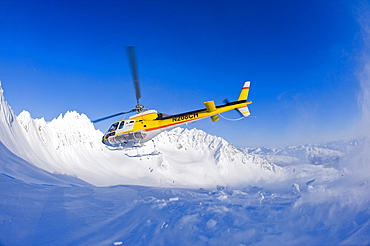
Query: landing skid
x,y
138,147
126,146
142,155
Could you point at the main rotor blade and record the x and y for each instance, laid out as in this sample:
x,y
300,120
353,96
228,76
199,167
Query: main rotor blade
x,y
131,53
111,116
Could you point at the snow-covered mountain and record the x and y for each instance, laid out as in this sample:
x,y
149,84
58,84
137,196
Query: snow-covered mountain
x,y
61,186
182,158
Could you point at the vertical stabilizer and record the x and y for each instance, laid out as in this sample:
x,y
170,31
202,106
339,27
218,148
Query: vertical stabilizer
x,y
244,96
245,91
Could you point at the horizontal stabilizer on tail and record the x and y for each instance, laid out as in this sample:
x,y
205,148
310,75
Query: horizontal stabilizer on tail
x,y
244,111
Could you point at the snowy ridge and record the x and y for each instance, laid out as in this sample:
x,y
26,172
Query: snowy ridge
x,y
6,120
11,133
182,158
222,152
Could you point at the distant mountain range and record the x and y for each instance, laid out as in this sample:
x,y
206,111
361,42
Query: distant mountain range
x,y
327,154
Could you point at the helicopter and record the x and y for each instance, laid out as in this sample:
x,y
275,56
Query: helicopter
x,y
146,124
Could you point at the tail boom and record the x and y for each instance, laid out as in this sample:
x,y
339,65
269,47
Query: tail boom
x,y
241,105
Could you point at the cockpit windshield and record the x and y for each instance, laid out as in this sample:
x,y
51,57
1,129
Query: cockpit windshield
x,y
113,127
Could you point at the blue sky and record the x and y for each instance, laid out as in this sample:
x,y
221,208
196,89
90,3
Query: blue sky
x,y
301,56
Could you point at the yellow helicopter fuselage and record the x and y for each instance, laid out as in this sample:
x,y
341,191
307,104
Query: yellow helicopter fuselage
x,y
142,127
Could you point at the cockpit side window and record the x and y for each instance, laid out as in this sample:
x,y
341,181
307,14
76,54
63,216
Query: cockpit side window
x,y
162,115
113,127
121,124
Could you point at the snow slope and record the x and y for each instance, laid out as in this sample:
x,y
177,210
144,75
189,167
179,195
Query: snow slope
x,y
39,208
61,186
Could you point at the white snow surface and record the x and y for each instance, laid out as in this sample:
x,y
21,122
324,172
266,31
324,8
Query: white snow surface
x,y
61,186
